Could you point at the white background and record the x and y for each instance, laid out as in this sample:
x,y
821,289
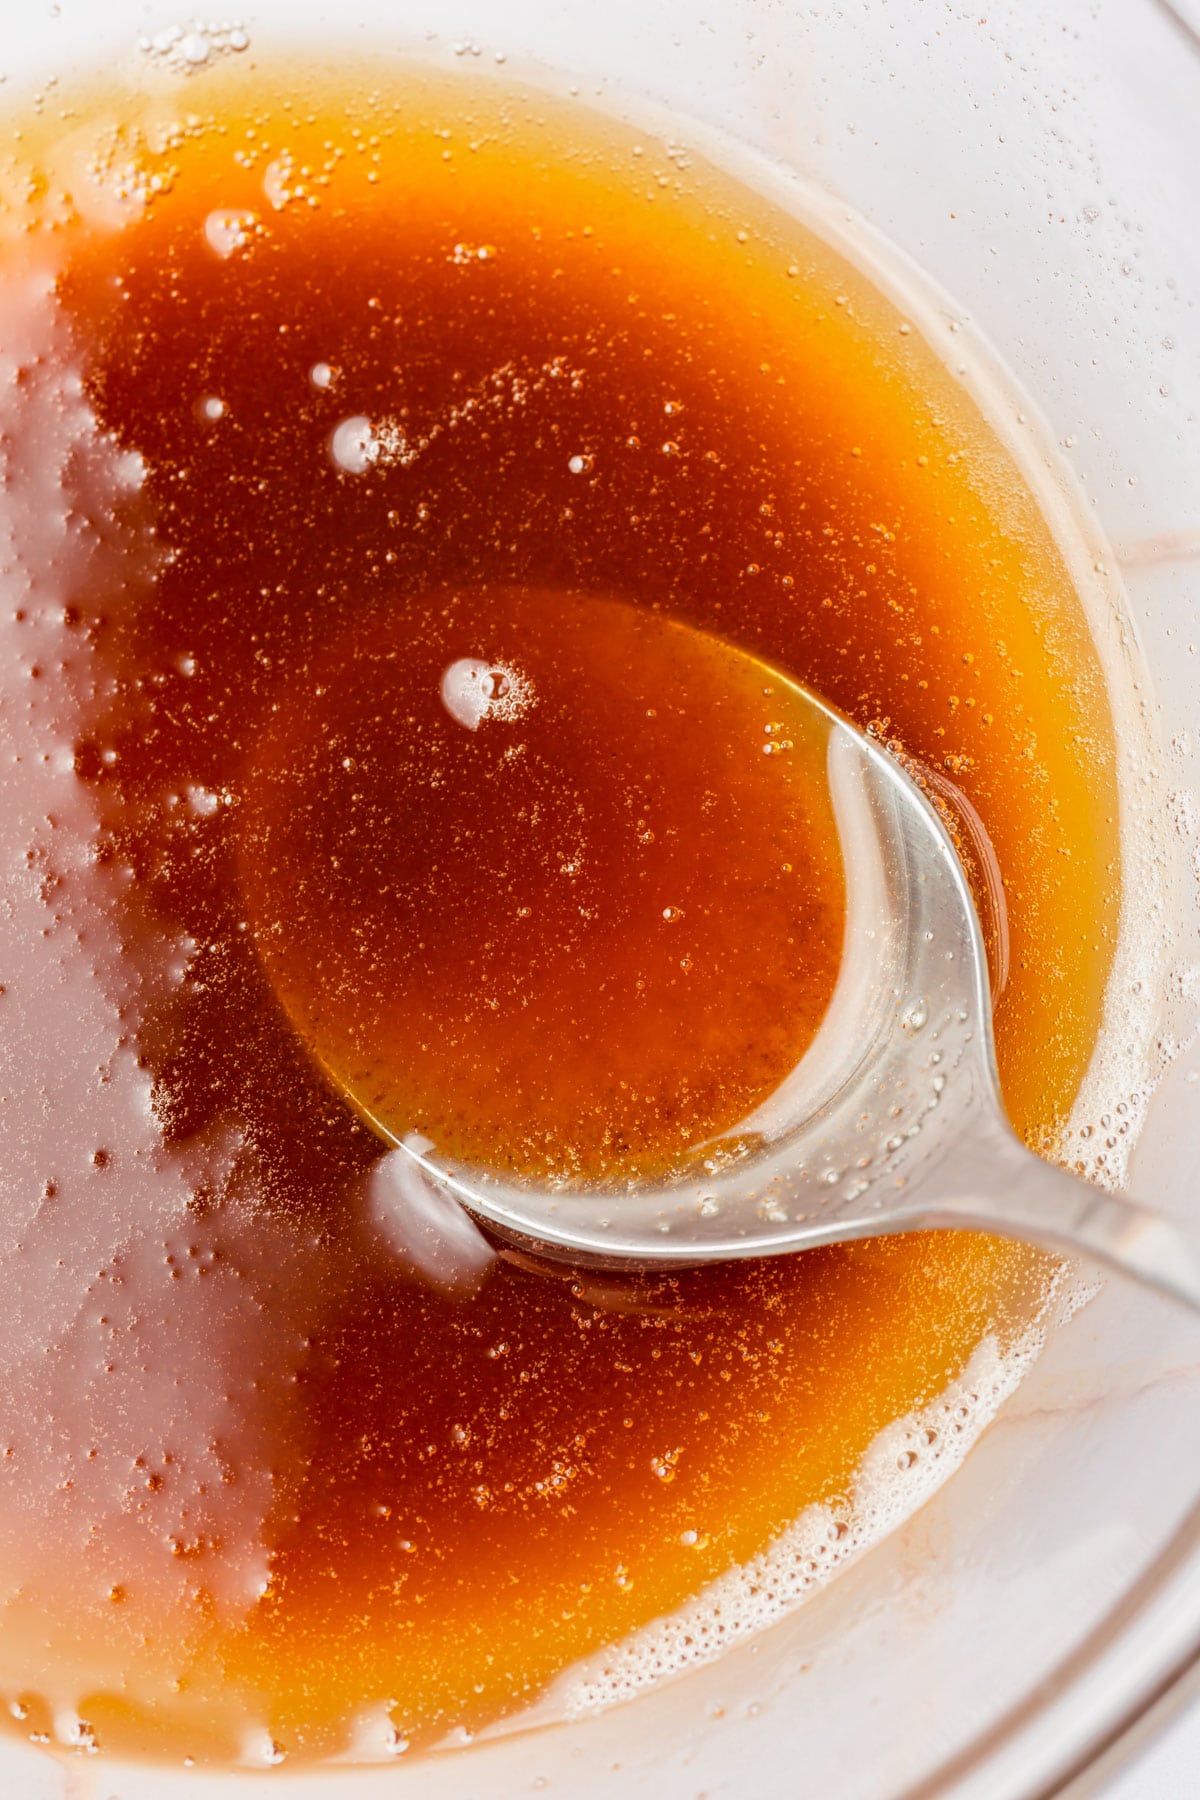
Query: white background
x,y
1169,1769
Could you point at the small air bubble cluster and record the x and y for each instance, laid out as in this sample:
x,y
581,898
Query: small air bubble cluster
x,y
473,690
184,49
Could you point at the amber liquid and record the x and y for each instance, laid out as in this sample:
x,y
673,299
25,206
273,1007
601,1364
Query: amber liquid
x,y
326,388
575,923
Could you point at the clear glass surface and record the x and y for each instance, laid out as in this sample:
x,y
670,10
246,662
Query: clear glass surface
x,y
1035,165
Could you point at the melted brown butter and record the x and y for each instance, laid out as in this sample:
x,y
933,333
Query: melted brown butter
x,y
282,358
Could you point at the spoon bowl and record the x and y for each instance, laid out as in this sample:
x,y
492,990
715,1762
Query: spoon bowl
x,y
891,1122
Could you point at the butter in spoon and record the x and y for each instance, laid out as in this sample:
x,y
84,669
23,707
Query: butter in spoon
x,y
889,1116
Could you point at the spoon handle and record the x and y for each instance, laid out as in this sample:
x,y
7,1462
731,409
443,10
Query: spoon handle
x,y
1002,1187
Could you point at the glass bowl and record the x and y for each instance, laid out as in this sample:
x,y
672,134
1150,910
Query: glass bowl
x,y
1031,167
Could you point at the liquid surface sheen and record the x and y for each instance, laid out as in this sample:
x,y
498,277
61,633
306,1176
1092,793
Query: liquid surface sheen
x,y
312,389
568,908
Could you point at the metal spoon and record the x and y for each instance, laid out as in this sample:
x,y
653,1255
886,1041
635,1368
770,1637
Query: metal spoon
x,y
891,1122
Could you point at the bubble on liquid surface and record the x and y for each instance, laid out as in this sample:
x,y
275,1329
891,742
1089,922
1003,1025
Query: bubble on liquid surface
x,y
353,445
359,443
472,690
185,49
227,229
